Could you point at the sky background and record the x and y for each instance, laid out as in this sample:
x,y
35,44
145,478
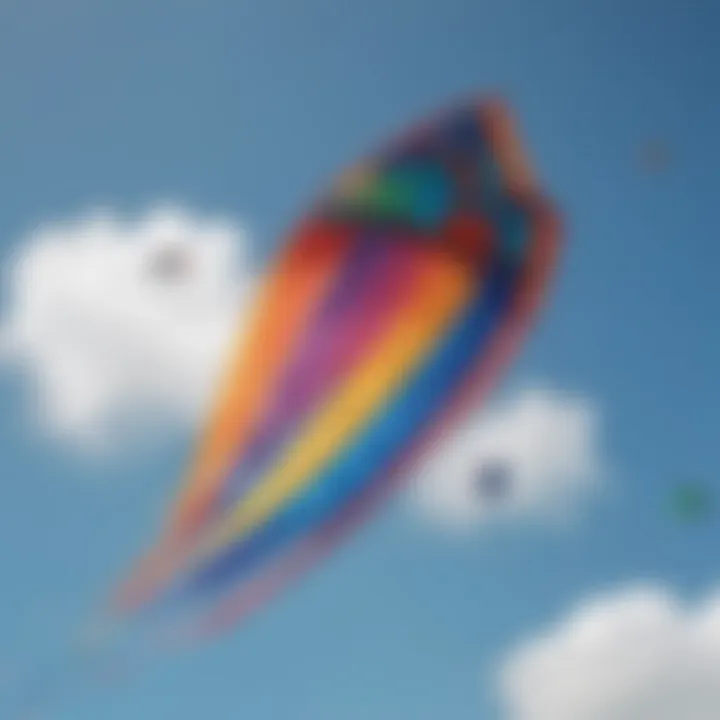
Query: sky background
x,y
248,108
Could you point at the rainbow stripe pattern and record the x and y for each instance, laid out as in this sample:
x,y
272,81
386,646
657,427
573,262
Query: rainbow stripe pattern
x,y
395,305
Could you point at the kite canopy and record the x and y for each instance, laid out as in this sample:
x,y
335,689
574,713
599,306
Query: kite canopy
x,y
395,305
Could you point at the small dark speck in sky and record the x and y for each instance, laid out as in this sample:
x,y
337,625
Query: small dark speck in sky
x,y
170,264
692,502
493,480
656,156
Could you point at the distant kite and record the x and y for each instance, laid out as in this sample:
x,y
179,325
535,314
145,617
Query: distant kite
x,y
692,502
655,157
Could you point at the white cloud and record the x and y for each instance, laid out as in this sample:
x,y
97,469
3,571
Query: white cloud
x,y
119,324
638,654
544,441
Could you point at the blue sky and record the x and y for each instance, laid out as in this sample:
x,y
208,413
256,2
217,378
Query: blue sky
x,y
247,108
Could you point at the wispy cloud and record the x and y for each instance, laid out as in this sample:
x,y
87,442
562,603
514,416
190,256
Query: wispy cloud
x,y
636,654
537,453
118,324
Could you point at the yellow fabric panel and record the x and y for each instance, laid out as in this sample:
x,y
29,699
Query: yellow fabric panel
x,y
442,292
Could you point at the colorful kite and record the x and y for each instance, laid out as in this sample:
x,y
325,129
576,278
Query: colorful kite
x,y
389,316
396,304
